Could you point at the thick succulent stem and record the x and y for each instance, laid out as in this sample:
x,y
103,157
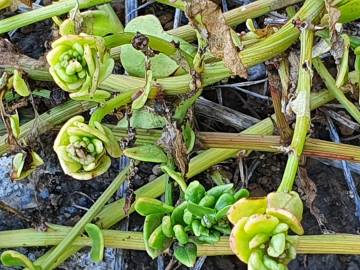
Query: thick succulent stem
x,y
301,106
37,15
307,244
235,16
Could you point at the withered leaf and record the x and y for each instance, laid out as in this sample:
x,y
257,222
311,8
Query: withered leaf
x,y
337,43
309,190
173,141
207,18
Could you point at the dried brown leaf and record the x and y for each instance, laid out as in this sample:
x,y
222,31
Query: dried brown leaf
x,y
206,16
309,190
337,43
173,141
11,58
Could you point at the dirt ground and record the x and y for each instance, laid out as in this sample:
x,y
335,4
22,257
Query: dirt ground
x,y
51,196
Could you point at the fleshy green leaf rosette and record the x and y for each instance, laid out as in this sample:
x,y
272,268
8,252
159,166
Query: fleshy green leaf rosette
x,y
260,235
78,63
84,150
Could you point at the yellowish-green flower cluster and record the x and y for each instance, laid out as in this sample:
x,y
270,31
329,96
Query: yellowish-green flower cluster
x,y
78,63
84,150
260,235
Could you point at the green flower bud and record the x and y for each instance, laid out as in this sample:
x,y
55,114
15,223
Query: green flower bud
x,y
277,245
196,227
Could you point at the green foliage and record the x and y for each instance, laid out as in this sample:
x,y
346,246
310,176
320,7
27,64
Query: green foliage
x,y
195,220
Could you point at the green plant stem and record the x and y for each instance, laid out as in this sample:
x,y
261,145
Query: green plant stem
x,y
48,121
113,213
40,14
338,94
308,244
234,16
214,72
274,144
87,218
109,106
301,107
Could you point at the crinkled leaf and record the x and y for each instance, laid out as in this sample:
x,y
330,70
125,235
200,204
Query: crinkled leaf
x,y
186,254
214,28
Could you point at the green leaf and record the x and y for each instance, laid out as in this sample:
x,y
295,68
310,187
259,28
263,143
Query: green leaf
x,y
148,206
150,224
200,211
134,61
176,176
144,119
189,137
180,234
12,258
20,85
97,242
147,153
15,124
184,106
194,192
186,254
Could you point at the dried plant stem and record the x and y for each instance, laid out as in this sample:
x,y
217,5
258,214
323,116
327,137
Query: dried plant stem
x,y
282,124
302,109
338,94
307,244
